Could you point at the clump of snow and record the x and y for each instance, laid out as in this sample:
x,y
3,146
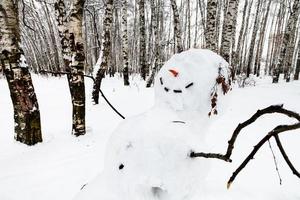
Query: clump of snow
x,y
23,62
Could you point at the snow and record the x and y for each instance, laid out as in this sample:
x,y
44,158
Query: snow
x,y
23,62
60,166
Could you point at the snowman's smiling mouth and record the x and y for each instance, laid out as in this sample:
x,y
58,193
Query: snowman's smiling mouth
x,y
177,90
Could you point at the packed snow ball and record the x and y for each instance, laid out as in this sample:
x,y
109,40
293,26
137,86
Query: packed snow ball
x,y
186,80
148,158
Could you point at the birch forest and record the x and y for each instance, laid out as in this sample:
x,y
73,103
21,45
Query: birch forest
x,y
79,38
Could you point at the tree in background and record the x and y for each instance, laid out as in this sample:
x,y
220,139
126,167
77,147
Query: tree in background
x,y
211,27
26,108
286,50
177,27
125,42
106,52
229,27
142,39
70,32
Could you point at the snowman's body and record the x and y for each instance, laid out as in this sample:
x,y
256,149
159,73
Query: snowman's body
x,y
148,155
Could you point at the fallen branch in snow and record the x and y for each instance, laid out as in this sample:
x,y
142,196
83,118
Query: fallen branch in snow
x,y
274,133
91,77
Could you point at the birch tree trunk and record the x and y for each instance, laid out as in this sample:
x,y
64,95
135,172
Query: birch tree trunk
x,y
77,66
26,108
74,57
125,42
106,52
253,39
156,49
297,70
142,38
288,58
288,38
177,27
229,27
211,29
261,42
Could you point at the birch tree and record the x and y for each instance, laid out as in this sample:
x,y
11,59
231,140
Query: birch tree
x,y
229,27
73,53
142,39
297,70
253,39
26,108
125,42
288,39
211,29
106,52
177,27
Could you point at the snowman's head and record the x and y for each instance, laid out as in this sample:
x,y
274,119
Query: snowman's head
x,y
185,82
153,163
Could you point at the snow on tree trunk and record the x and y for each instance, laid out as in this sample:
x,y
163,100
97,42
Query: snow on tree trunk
x,y
70,32
142,37
125,42
177,27
106,52
229,27
285,56
211,29
26,109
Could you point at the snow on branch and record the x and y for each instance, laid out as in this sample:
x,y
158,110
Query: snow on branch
x,y
274,133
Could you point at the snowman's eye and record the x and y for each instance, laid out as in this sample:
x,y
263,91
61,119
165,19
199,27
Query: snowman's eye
x,y
166,89
121,166
189,85
161,81
177,91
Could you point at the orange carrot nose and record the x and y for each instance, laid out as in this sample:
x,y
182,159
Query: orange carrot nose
x,y
174,72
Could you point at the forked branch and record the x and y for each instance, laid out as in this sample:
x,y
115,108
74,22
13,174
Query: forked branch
x,y
274,133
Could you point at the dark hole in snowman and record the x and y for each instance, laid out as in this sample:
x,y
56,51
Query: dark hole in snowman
x,y
166,89
121,166
158,192
161,81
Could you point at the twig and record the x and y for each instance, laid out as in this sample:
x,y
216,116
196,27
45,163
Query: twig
x,y
286,158
91,77
275,162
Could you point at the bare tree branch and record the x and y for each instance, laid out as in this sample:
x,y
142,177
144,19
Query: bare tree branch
x,y
274,133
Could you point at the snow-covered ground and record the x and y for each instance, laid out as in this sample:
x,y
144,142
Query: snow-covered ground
x,y
62,164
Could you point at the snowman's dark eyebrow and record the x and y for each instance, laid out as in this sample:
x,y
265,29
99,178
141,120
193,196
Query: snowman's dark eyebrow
x,y
166,89
161,81
177,91
189,85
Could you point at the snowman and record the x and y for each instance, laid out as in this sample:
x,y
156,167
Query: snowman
x,y
148,156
